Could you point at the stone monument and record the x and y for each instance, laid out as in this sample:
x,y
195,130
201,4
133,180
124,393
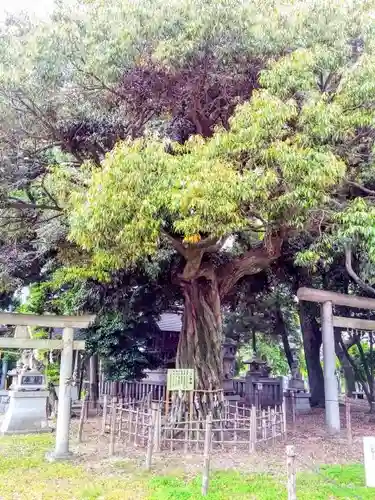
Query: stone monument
x,y
27,411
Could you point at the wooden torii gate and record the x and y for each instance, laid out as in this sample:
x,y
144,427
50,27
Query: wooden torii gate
x,y
67,346
329,321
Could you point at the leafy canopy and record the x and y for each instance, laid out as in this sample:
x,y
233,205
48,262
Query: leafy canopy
x,y
67,93
256,171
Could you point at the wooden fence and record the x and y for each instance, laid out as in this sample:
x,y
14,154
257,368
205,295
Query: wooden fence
x,y
239,427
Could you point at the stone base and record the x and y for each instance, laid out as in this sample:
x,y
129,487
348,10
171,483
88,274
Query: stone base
x,y
26,414
52,456
302,402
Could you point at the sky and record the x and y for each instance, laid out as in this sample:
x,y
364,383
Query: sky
x,y
38,7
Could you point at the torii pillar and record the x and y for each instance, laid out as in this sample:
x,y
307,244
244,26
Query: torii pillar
x,y
328,299
67,345
331,392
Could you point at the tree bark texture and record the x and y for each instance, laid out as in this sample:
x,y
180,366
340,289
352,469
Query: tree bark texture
x,y
94,381
312,341
281,329
202,335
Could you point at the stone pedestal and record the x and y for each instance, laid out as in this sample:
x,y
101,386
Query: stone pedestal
x,y
302,402
26,413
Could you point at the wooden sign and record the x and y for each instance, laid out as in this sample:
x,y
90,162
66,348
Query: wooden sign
x,y
369,454
180,380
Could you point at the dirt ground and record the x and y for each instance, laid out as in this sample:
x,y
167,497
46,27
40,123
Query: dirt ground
x,y
312,445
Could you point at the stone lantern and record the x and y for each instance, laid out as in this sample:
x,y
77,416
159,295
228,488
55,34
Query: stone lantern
x,y
229,349
257,368
296,382
296,386
229,358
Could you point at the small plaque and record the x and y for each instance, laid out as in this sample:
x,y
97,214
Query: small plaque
x,y
259,386
32,380
180,380
369,454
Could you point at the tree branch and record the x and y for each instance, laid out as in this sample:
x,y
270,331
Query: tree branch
x,y
253,262
362,188
17,203
349,268
176,244
54,201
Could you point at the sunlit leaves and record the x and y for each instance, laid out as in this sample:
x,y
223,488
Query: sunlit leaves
x,y
208,188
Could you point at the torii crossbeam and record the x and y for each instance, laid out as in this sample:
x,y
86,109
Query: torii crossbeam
x,y
67,345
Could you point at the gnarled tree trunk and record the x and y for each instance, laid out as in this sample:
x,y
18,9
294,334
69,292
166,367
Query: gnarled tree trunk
x,y
203,286
201,337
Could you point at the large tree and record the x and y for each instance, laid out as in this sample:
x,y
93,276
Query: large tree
x,y
255,179
72,87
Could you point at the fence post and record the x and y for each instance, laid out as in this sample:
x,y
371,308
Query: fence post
x,y
105,411
82,418
253,428
136,427
207,455
293,396
150,441
291,472
113,427
156,415
273,425
284,416
348,421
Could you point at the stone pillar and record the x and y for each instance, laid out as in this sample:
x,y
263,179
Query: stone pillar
x,y
329,365
61,451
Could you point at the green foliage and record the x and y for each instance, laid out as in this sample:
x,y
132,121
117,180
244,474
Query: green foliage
x,y
269,350
278,163
268,315
53,372
207,189
127,308
121,342
36,300
357,359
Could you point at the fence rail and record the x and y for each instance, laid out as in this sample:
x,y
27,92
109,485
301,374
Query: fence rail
x,y
252,391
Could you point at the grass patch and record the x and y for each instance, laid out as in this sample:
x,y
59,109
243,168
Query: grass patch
x,y
24,473
331,483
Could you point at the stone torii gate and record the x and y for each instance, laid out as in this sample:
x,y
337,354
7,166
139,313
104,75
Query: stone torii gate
x,y
329,321
67,346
